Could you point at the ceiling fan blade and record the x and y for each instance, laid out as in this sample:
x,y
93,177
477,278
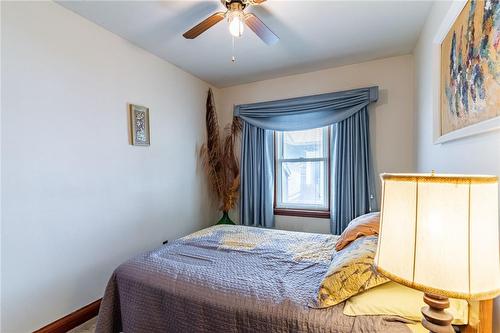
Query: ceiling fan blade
x,y
261,29
204,25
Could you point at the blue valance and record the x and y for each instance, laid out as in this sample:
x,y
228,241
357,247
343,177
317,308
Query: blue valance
x,y
306,112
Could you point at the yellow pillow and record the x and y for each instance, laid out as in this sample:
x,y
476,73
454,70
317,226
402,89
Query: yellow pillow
x,y
417,328
398,300
473,313
351,272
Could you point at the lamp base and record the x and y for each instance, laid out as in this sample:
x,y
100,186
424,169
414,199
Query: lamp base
x,y
436,320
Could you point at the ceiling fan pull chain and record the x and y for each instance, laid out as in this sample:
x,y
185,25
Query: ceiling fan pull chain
x,y
233,58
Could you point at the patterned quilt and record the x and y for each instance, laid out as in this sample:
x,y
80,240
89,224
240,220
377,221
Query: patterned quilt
x,y
230,279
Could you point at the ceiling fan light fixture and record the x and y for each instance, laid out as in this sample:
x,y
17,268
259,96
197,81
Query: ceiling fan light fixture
x,y
236,20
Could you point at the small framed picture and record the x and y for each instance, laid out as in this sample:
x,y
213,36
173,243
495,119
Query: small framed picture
x,y
139,125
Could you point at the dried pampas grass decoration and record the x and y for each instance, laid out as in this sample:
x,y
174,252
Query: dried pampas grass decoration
x,y
219,159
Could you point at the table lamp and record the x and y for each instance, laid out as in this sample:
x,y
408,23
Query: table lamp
x,y
439,234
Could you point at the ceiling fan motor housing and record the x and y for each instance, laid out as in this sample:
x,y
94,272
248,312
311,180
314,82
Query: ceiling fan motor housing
x,y
236,4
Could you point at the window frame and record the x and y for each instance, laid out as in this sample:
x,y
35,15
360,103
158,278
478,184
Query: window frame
x,y
304,212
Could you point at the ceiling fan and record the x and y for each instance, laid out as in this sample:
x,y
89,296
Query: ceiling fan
x,y
237,20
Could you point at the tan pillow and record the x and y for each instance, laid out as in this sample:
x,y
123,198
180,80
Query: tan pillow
x,y
364,225
351,272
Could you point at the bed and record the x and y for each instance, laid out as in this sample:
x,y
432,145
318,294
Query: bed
x,y
231,279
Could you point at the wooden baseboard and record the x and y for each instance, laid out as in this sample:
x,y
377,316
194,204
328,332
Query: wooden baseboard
x,y
72,320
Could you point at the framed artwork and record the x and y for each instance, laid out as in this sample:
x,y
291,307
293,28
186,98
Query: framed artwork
x,y
469,88
139,125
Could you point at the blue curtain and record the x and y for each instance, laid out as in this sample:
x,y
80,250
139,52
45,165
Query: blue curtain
x,y
257,153
257,176
353,190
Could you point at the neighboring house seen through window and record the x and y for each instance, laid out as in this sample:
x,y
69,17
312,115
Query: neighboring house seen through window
x,y
302,160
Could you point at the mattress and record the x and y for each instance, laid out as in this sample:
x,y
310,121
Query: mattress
x,y
230,279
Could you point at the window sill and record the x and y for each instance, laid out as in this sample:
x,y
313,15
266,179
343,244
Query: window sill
x,y
320,214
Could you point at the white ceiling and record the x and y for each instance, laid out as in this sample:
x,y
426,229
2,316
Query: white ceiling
x,y
313,34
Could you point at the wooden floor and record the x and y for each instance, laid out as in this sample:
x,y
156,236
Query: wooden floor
x,y
88,327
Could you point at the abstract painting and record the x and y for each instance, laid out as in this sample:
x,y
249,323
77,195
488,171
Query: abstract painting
x,y
470,67
139,125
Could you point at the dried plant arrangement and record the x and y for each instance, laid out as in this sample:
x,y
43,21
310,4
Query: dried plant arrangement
x,y
219,160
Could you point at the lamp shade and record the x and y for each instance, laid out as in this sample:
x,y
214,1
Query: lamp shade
x,y
439,234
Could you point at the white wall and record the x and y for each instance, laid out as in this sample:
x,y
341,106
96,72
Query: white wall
x,y
477,155
304,224
77,198
391,118
1,90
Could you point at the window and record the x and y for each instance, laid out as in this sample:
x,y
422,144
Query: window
x,y
302,185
